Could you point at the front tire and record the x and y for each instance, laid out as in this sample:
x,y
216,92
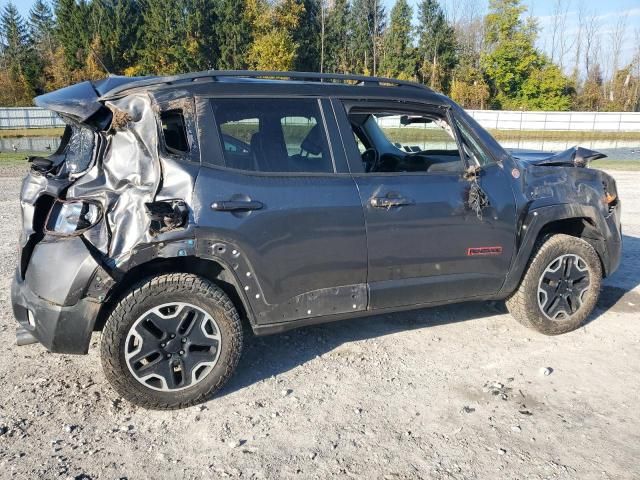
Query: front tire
x,y
171,342
560,287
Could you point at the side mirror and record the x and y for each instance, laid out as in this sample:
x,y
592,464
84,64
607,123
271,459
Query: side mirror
x,y
409,119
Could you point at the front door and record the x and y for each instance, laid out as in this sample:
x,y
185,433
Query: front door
x,y
425,243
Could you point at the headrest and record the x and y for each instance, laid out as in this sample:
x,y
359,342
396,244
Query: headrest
x,y
312,143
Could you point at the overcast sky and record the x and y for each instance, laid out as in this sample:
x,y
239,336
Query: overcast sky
x,y
608,13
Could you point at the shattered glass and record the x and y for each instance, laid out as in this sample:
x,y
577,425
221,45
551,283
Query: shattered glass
x,y
79,150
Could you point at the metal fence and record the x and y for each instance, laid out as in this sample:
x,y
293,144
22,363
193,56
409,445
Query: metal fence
x,y
558,121
33,117
28,117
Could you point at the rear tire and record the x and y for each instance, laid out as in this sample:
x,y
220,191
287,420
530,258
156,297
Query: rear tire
x,y
560,286
171,342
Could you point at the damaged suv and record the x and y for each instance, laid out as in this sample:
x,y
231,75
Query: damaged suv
x,y
179,211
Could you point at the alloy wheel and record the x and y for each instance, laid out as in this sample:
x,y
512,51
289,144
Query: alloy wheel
x,y
172,346
562,286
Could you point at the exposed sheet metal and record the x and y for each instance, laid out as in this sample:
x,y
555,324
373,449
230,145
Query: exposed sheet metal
x,y
572,157
128,173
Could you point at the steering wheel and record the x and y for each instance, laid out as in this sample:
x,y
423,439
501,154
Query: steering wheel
x,y
369,159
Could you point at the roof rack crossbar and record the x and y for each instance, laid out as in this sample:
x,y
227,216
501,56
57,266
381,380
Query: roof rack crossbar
x,y
302,76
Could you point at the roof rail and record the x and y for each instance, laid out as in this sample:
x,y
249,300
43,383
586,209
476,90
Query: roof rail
x,y
274,75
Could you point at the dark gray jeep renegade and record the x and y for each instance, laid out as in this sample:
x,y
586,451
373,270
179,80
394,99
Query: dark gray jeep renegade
x,y
178,209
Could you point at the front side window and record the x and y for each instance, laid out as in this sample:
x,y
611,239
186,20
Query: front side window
x,y
392,141
473,149
273,135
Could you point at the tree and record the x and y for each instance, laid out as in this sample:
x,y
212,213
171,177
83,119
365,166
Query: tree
x,y
436,45
115,31
398,57
546,88
167,45
42,26
338,38
18,58
73,32
367,24
468,88
273,46
234,34
307,35
518,73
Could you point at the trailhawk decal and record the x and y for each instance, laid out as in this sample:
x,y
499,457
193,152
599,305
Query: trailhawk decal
x,y
473,251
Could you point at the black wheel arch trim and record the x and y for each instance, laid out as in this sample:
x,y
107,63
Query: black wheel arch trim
x,y
601,235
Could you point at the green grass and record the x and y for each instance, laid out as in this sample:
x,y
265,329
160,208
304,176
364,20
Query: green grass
x,y
14,159
562,135
31,132
606,164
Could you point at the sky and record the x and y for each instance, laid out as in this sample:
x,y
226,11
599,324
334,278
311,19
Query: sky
x,y
608,14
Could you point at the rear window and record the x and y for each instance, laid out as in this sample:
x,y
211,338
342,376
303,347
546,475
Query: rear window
x,y
273,135
174,131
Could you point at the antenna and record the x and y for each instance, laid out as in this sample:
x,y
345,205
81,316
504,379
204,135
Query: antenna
x,y
95,54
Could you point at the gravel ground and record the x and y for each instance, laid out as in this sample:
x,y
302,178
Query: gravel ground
x,y
452,392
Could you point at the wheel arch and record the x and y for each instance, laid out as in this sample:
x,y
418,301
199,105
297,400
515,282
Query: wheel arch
x,y
581,221
215,271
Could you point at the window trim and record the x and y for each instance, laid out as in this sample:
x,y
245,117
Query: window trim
x,y
342,107
219,147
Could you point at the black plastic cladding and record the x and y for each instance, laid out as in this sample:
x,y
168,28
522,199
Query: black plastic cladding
x,y
318,250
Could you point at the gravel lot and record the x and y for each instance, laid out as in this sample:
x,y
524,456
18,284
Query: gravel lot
x,y
452,392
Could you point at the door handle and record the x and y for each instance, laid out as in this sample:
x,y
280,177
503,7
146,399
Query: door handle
x,y
236,205
389,202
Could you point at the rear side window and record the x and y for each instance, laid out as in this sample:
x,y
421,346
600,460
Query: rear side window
x,y
273,135
174,131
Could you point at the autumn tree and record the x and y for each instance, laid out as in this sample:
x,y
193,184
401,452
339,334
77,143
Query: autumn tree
x,y
273,46
519,74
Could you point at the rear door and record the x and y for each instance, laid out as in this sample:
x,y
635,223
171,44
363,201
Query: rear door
x,y
276,194
425,243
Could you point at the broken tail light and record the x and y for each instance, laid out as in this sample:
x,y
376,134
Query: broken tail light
x,y
72,217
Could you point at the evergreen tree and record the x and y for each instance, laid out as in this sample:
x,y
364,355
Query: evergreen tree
x,y
116,25
18,58
436,45
367,24
42,26
233,34
307,36
165,47
398,57
336,58
73,32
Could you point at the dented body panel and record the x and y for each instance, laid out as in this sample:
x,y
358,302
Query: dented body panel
x,y
306,248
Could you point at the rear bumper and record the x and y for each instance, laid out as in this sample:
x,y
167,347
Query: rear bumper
x,y
49,303
61,329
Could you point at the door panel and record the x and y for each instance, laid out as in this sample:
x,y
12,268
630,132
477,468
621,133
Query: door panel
x,y
418,253
295,240
307,238
419,248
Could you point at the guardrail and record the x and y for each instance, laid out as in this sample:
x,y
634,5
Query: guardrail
x,y
33,117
